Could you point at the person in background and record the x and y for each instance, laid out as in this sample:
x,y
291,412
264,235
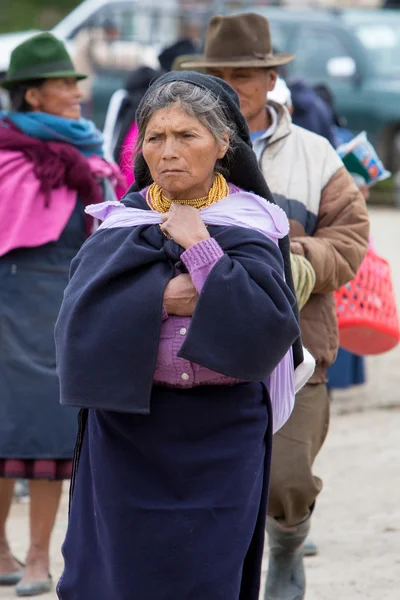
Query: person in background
x,y
92,46
310,111
51,165
97,49
120,130
309,108
329,236
172,52
353,365
341,132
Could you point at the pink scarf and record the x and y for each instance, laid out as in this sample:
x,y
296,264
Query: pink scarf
x,y
126,160
33,213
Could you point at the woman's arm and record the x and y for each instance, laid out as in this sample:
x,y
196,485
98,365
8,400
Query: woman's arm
x,y
182,292
180,297
244,322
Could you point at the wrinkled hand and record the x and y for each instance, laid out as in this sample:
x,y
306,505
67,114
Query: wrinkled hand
x,y
183,223
180,296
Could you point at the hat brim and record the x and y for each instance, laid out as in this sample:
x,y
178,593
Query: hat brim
x,y
275,60
10,83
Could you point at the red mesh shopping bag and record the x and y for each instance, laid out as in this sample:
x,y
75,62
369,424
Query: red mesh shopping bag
x,y
366,309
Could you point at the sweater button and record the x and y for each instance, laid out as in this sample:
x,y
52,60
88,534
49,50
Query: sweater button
x,y
183,331
184,376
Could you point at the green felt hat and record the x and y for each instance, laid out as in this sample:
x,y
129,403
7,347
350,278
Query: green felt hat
x,y
42,56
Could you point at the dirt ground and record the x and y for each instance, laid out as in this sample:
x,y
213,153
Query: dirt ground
x,y
357,519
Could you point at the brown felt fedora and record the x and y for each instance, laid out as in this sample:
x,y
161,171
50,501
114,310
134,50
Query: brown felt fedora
x,y
242,40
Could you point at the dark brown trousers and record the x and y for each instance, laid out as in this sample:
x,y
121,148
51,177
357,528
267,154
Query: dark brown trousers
x,y
293,487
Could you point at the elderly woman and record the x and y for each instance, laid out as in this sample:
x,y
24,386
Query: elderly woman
x,y
173,326
50,165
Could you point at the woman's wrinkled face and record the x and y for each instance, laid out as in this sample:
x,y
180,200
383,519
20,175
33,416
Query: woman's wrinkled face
x,y
181,153
60,97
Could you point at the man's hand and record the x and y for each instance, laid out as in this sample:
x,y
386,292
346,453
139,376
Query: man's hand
x,y
180,296
296,248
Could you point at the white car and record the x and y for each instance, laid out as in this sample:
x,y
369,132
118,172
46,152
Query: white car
x,y
145,27
140,22
8,41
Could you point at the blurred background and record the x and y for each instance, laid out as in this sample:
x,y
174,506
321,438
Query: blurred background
x,y
350,47
348,52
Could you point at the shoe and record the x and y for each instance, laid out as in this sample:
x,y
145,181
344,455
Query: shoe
x,y
310,548
35,588
11,579
286,576
21,492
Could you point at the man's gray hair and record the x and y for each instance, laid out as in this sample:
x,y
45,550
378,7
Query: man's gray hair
x,y
196,102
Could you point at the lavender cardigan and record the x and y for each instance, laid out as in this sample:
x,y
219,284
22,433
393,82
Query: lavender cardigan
x,y
170,369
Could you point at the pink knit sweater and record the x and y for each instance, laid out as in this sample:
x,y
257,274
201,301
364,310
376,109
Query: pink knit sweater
x,y
178,372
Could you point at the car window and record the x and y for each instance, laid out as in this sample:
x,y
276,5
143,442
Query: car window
x,y
140,24
279,36
144,25
382,43
314,48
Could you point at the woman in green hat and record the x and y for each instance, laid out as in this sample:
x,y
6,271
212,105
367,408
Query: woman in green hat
x,y
51,166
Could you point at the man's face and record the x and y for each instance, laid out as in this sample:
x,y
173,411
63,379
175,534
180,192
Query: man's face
x,y
251,84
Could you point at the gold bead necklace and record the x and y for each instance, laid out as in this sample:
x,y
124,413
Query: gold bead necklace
x,y
159,202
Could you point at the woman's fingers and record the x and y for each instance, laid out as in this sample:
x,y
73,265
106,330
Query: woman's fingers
x,y
184,225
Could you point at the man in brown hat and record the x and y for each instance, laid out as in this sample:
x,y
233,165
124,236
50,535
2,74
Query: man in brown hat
x,y
329,235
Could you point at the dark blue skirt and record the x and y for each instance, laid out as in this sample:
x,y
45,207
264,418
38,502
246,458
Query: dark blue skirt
x,y
171,505
33,424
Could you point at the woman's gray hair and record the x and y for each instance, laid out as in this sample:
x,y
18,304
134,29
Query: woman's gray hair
x,y
196,102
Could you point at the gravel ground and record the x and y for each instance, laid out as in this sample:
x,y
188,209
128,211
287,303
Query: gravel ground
x,y
357,519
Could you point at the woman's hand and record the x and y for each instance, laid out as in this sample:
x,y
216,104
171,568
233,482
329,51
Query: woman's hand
x,y
183,223
180,296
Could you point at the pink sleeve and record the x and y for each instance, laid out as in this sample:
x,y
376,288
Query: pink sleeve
x,y
200,259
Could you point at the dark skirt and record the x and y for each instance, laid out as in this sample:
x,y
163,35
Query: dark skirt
x,y
33,424
171,505
53,470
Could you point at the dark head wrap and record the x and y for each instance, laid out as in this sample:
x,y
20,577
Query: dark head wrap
x,y
243,167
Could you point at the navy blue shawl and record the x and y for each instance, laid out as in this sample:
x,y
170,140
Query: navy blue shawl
x,y
108,329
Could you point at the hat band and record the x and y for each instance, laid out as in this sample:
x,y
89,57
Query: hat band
x,y
35,72
243,58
